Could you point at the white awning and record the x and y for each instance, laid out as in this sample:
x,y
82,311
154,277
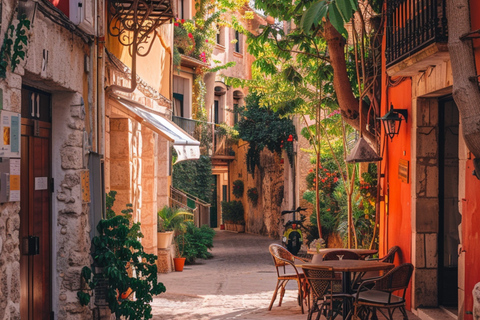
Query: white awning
x,y
186,146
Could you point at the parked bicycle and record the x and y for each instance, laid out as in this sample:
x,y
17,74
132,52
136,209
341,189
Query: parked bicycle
x,y
293,236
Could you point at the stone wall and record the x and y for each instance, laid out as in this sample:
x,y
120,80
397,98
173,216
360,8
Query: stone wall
x,y
63,76
264,218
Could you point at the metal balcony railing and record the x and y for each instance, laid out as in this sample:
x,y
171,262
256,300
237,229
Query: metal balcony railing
x,y
219,143
412,25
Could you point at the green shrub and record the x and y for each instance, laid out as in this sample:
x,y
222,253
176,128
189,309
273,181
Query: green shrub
x,y
196,242
232,212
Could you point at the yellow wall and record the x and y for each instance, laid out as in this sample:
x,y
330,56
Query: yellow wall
x,y
155,68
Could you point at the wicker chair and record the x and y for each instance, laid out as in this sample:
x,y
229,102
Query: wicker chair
x,y
347,255
380,296
320,281
283,258
364,276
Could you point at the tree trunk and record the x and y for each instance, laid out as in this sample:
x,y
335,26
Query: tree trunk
x,y
465,91
346,100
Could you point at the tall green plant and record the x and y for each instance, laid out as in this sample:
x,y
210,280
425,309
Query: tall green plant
x,y
263,128
118,253
194,177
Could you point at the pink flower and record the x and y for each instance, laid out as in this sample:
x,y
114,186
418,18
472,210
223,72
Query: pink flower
x,y
190,35
206,40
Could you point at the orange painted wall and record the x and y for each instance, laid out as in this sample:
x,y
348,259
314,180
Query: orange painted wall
x,y
395,217
471,203
471,235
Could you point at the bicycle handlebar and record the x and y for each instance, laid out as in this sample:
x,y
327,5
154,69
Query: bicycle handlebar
x,y
293,211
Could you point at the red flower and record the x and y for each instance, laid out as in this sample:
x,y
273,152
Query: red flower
x,y
314,180
190,35
335,179
311,170
176,24
183,20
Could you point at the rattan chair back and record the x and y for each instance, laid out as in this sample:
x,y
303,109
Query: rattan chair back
x,y
390,256
281,256
347,255
319,280
396,279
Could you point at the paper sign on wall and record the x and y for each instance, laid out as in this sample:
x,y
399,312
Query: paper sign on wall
x,y
9,134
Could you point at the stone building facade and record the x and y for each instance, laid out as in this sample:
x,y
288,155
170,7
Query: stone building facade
x,y
52,90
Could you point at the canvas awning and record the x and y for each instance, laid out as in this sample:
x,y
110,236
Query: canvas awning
x,y
186,146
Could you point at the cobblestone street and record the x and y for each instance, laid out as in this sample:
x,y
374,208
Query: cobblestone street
x,y
237,283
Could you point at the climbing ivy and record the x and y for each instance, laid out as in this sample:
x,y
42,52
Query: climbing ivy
x,y
194,177
261,127
18,42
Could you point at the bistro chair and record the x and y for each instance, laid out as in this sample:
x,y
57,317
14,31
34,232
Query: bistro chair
x,y
363,276
347,255
369,299
320,281
284,262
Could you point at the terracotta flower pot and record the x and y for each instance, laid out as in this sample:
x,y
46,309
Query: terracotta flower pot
x,y
164,239
179,263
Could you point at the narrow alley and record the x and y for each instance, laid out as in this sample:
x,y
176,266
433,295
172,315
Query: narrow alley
x,y
237,283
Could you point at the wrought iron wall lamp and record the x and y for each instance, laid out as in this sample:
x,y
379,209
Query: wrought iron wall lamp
x,y
392,120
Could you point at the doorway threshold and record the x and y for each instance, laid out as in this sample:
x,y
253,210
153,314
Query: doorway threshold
x,y
440,313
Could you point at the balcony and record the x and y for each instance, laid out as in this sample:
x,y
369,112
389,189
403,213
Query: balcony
x,y
213,144
416,35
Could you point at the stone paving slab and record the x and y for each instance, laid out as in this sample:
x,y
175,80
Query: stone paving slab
x,y
237,283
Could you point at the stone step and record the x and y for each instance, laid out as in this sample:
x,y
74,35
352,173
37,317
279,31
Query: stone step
x,y
435,314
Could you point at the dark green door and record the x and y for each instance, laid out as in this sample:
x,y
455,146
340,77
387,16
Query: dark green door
x,y
213,208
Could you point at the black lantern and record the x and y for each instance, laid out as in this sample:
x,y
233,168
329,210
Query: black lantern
x,y
392,121
27,9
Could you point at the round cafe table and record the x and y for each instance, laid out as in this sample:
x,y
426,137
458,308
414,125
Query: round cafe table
x,y
347,267
318,256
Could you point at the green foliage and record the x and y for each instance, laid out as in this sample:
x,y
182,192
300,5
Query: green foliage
x,y
194,177
233,212
262,127
238,188
252,194
124,264
18,45
338,12
170,219
196,242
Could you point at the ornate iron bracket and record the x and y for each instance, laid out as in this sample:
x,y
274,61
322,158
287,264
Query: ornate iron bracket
x,y
134,23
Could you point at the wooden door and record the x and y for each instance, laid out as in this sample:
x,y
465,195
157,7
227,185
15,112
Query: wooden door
x,y
35,211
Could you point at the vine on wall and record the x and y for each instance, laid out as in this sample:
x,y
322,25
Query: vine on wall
x,y
14,46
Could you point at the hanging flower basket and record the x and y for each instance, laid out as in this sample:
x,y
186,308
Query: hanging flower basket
x,y
238,188
252,194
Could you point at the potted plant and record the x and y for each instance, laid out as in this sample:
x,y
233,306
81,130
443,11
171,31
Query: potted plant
x,y
121,268
168,219
233,215
179,227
